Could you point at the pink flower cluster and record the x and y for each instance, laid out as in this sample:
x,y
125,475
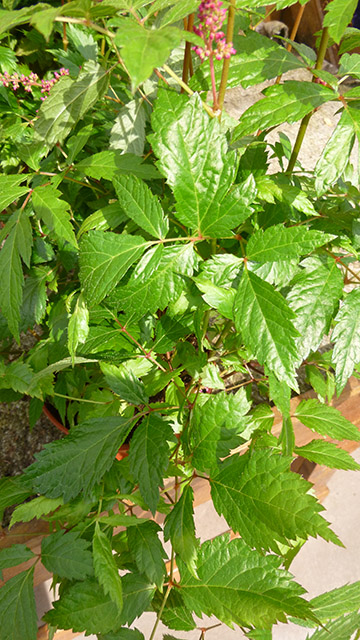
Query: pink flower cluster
x,y
211,16
32,80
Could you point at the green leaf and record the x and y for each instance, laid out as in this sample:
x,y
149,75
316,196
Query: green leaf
x,y
346,336
153,289
78,462
108,217
84,607
34,298
17,376
105,567
327,453
68,102
67,555
36,508
313,297
180,529
193,156
264,319
148,552
326,420
120,520
141,205
18,617
43,21
14,555
144,49
78,327
217,297
176,615
350,63
232,211
266,502
287,102
107,164
332,164
128,131
54,212
124,383
104,260
177,11
232,587
13,491
336,602
340,629
215,428
123,634
11,19
10,189
149,457
284,243
338,15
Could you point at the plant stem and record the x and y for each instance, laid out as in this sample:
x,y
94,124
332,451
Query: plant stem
x,y
226,63
167,593
187,89
213,82
305,121
187,54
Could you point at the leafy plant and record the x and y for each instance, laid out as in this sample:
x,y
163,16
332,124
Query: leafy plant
x,y
170,281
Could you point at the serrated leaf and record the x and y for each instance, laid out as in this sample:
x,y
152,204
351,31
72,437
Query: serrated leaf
x,y
193,156
163,285
18,618
284,243
17,375
327,453
78,327
313,297
13,491
67,555
148,551
168,332
123,634
149,457
128,131
264,320
34,298
76,463
124,383
43,21
336,602
105,567
144,49
54,212
346,336
176,614
68,102
141,205
231,586
338,15
221,269
287,102
36,508
107,164
340,629
332,164
10,189
266,502
217,297
104,260
84,607
120,520
108,217
13,556
326,420
180,529
215,428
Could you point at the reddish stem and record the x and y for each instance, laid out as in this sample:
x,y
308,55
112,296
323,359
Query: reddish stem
x,y
55,422
213,81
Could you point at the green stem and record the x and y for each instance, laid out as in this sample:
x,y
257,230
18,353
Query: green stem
x,y
226,63
213,82
187,89
160,612
305,121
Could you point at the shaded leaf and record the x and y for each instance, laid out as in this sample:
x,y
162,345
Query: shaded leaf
x,y
54,212
180,529
346,336
326,420
124,383
78,327
13,556
148,551
105,567
107,164
13,490
67,555
10,189
128,131
18,618
332,164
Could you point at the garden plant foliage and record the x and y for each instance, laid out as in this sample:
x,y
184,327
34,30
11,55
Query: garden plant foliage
x,y
175,289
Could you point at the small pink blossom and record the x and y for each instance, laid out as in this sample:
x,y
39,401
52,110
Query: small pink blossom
x,y
32,80
211,16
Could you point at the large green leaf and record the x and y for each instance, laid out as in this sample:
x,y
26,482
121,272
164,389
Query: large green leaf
x,y
18,617
76,463
193,156
327,453
346,337
104,260
124,383
237,584
53,210
148,552
128,131
67,555
68,102
287,102
180,529
265,322
332,164
215,428
266,502
158,284
14,555
107,164
313,297
338,15
340,629
105,567
144,49
326,420
149,456
284,243
141,205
